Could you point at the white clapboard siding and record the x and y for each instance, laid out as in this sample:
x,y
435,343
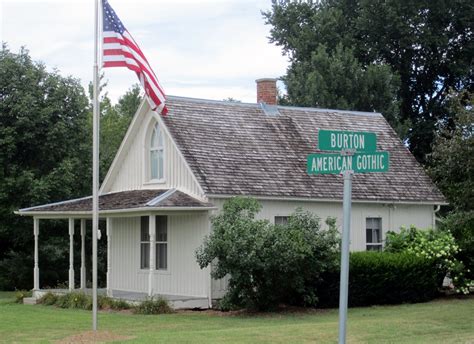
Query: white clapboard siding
x,y
393,217
184,277
130,171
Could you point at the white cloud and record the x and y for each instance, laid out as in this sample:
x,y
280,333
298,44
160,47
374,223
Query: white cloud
x,y
208,49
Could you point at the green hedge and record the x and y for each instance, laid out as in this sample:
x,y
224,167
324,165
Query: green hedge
x,y
382,278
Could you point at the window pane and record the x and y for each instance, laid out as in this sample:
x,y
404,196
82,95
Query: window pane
x,y
161,256
368,223
376,236
154,164
161,228
145,234
145,255
281,220
159,165
377,223
156,137
160,137
368,232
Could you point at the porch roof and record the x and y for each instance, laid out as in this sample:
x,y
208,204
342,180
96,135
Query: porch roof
x,y
123,201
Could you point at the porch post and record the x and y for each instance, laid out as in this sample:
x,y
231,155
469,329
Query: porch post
x,y
71,254
109,255
152,232
83,253
36,268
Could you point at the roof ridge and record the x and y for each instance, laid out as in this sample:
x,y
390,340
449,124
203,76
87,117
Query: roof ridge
x,y
289,107
161,197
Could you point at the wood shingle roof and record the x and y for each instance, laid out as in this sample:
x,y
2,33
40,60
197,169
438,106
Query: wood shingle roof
x,y
125,200
238,149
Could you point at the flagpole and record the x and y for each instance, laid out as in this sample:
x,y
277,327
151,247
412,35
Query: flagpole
x,y
95,167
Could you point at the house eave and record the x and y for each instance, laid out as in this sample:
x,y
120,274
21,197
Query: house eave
x,y
111,213
331,200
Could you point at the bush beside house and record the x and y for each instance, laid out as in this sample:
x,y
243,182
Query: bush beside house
x,y
298,263
438,247
80,300
378,278
461,226
267,264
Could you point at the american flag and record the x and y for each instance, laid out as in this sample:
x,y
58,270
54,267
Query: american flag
x,y
121,50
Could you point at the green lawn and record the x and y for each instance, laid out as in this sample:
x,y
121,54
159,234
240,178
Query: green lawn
x,y
441,321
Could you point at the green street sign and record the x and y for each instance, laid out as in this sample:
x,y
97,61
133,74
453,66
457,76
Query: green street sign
x,y
359,163
371,162
333,140
328,163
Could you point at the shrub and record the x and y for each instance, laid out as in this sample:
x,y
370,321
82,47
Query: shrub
x,y
48,299
119,304
105,302
268,264
438,247
63,301
153,306
461,226
21,294
80,300
382,278
75,299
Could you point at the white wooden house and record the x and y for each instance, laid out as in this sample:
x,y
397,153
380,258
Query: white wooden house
x,y
172,173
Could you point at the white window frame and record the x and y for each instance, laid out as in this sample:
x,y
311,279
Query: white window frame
x,y
377,245
146,265
158,242
160,147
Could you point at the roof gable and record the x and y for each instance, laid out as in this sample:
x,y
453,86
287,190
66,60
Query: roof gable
x,y
236,149
129,170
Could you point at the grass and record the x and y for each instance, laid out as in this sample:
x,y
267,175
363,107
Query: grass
x,y
440,321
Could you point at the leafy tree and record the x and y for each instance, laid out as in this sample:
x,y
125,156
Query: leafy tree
x,y
336,79
44,157
427,44
128,103
452,160
267,264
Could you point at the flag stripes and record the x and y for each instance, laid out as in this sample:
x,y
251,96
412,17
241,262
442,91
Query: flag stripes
x,y
120,50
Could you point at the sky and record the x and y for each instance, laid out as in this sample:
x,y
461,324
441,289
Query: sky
x,y
211,49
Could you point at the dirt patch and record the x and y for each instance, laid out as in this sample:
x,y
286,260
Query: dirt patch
x,y
281,310
93,337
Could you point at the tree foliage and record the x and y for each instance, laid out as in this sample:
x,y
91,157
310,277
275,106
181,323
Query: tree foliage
x,y
451,164
461,225
267,264
427,45
114,122
44,157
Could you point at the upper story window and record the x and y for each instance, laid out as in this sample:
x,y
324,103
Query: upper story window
x,y
156,154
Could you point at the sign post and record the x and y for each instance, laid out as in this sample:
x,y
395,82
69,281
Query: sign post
x,y
357,154
344,281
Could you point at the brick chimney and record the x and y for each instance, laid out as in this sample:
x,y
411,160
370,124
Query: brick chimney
x,y
266,91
